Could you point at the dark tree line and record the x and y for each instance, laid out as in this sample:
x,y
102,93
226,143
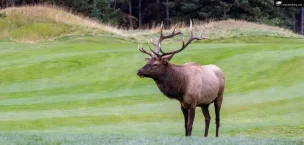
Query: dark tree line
x,y
146,13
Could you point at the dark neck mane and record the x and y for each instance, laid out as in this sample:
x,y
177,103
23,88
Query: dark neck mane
x,y
172,83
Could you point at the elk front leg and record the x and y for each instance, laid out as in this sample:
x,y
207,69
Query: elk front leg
x,y
206,113
185,113
191,115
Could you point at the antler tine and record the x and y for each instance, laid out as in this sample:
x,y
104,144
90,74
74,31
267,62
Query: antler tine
x,y
141,49
172,34
161,29
191,38
153,43
201,35
153,50
174,28
157,46
183,41
191,29
163,37
161,51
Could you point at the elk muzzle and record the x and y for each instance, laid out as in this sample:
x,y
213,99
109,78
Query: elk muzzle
x,y
139,73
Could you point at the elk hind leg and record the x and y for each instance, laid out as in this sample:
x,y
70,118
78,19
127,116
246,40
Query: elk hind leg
x,y
217,107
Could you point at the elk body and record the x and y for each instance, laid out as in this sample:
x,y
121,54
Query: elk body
x,y
191,84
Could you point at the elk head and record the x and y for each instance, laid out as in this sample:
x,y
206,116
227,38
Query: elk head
x,y
157,64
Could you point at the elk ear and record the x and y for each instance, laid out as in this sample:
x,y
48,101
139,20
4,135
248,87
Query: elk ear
x,y
167,58
147,59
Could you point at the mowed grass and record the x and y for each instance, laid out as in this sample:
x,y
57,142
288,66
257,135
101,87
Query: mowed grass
x,y
85,90
84,138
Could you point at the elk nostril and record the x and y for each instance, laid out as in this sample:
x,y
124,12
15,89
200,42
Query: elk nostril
x,y
138,72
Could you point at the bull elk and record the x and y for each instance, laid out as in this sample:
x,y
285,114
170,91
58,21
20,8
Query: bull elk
x,y
191,84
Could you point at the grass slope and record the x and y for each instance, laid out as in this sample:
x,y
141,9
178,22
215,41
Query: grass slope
x,y
40,23
83,89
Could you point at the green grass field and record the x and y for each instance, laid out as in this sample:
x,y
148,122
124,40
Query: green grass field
x,y
81,89
85,90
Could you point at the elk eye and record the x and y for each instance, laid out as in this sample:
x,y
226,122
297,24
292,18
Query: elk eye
x,y
154,64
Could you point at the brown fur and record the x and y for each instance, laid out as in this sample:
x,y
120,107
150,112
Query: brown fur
x,y
191,84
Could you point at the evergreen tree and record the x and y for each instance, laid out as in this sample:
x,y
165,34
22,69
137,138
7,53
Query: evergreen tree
x,y
82,6
102,10
129,13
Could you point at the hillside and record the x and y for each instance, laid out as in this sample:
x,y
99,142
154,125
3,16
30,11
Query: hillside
x,y
40,23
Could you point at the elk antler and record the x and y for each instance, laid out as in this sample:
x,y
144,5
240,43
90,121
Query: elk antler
x,y
141,49
152,54
163,37
191,38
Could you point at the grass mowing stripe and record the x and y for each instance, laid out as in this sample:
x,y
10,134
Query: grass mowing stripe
x,y
282,131
97,101
174,128
106,139
105,63
258,60
228,116
82,88
130,100
49,57
54,49
277,107
82,76
100,60
90,111
49,68
284,71
109,85
231,99
96,47
69,101
83,121
148,124
264,95
245,73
